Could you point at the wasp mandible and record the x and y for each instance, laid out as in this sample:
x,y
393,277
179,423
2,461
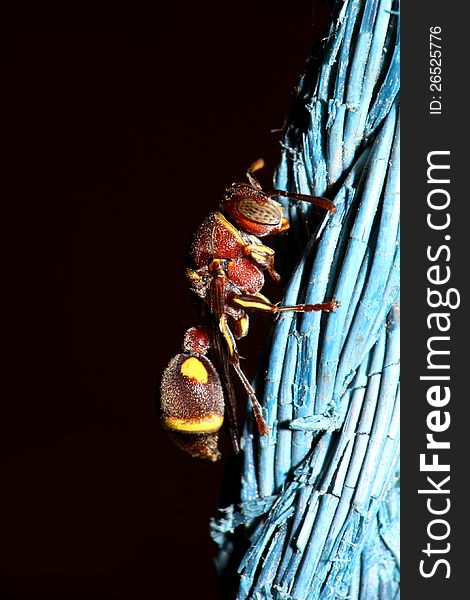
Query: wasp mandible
x,y
225,274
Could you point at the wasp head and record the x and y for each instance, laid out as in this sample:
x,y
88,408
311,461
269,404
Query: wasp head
x,y
252,210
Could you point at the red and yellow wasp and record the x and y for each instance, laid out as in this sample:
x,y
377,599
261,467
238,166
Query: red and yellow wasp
x,y
225,272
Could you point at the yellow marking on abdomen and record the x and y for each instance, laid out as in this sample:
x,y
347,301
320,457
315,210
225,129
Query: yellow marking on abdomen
x,y
207,424
194,369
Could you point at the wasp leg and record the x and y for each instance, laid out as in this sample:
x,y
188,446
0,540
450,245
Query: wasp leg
x,y
257,411
260,303
235,362
256,166
315,200
264,257
239,325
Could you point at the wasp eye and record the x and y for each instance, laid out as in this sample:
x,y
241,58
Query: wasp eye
x,y
269,213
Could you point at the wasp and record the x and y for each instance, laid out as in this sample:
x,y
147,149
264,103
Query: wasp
x,y
225,274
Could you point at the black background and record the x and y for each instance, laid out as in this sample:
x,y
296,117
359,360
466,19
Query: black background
x,y
117,144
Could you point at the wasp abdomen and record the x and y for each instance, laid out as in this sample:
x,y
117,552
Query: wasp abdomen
x,y
198,445
192,397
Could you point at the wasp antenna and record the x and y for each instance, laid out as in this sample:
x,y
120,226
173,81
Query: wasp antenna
x,y
315,200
